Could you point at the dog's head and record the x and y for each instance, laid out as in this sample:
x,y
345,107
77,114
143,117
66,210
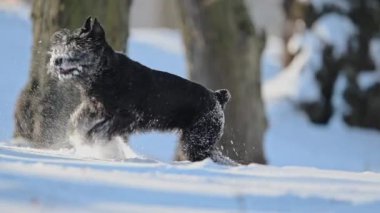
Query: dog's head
x,y
77,54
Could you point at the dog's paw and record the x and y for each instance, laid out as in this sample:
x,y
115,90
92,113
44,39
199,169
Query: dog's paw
x,y
99,129
218,157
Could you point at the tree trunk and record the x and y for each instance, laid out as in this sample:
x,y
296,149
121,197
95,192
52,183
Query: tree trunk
x,y
223,51
44,105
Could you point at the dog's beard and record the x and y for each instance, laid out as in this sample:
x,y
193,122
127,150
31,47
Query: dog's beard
x,y
70,67
66,70
68,73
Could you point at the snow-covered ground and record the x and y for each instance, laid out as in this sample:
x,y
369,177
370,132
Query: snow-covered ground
x,y
306,161
45,181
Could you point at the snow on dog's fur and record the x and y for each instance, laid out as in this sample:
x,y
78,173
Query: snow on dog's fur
x,y
121,96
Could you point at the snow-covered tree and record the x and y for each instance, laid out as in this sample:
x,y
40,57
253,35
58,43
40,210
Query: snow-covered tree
x,y
44,106
336,46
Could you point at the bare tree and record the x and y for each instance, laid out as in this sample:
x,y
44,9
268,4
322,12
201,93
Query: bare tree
x,y
223,51
44,106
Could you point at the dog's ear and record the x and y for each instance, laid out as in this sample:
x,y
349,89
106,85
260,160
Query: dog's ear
x,y
87,24
86,27
92,28
97,30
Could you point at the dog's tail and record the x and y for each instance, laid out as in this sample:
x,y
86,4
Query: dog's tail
x,y
223,96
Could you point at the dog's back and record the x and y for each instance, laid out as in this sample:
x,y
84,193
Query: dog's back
x,y
160,100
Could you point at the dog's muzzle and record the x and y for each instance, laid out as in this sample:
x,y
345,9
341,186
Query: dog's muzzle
x,y
66,66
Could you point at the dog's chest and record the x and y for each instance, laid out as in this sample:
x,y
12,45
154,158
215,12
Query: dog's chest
x,y
96,105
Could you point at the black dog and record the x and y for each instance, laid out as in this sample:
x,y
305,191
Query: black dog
x,y
121,96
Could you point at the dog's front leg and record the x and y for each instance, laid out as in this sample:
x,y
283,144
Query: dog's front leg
x,y
117,125
83,118
122,125
100,129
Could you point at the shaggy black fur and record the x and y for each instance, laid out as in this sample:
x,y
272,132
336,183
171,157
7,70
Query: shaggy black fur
x,y
121,96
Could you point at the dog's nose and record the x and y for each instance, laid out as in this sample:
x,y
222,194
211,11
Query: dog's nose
x,y
58,61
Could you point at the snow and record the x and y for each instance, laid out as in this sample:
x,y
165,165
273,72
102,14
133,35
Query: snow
x,y
319,5
285,83
116,149
333,168
336,30
45,180
292,140
304,67
331,29
271,62
294,44
367,79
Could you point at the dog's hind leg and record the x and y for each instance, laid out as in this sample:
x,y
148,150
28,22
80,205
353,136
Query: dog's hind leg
x,y
200,138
